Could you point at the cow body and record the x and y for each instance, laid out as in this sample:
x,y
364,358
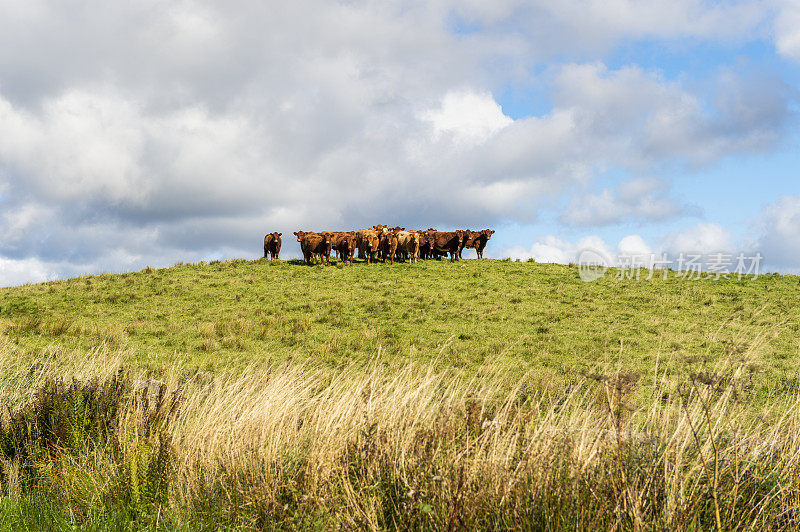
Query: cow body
x,y
272,245
315,245
387,245
408,245
344,242
367,244
445,242
426,243
477,240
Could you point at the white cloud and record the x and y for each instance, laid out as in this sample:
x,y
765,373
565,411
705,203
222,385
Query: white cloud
x,y
145,133
601,20
638,199
577,26
779,233
16,272
634,245
551,248
787,29
469,116
704,237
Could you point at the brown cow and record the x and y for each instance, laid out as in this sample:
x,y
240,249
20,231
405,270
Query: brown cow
x,y
367,244
448,242
315,245
426,244
388,245
477,240
272,245
344,242
408,245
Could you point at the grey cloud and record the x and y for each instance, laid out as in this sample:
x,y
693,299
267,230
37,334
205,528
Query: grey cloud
x,y
638,200
153,132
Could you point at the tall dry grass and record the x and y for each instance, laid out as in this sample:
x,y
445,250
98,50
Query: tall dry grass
x,y
368,447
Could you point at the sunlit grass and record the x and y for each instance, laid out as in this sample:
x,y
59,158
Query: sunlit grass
x,y
480,394
520,316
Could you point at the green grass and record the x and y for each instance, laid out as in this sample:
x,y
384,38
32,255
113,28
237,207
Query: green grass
x,y
465,315
475,395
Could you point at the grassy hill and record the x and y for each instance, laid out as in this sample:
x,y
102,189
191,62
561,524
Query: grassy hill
x,y
475,395
465,315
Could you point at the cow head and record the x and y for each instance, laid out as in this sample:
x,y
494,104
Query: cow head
x,y
299,235
372,243
351,243
326,237
276,236
425,237
468,236
462,235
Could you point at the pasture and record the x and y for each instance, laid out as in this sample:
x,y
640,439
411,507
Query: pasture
x,y
475,394
463,315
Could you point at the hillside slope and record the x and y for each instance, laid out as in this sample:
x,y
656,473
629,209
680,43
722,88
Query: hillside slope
x,y
480,395
465,315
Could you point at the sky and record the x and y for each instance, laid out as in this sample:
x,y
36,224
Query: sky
x,y
153,132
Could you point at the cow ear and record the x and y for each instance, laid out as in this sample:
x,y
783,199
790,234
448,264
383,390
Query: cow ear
x,y
295,233
280,234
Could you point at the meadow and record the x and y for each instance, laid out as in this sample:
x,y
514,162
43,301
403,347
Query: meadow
x,y
479,394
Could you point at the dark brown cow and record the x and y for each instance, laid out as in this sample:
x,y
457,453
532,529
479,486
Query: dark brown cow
x,y
272,245
344,242
469,236
315,245
477,240
388,245
367,244
425,243
445,242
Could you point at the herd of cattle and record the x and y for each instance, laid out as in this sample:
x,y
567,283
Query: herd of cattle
x,y
382,242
